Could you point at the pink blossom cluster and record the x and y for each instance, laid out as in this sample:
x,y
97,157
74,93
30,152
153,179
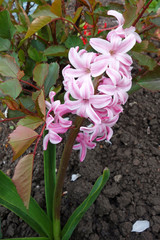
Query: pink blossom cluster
x,y
96,85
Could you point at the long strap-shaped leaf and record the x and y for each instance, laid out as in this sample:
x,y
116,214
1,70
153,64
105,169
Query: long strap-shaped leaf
x,y
28,238
50,175
80,211
34,216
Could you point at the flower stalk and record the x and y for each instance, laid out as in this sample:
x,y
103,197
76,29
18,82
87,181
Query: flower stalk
x,y
61,176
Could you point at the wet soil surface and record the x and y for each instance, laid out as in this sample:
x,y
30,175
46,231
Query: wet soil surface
x,y
132,192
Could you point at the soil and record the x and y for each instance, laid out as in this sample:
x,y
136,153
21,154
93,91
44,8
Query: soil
x,y
132,192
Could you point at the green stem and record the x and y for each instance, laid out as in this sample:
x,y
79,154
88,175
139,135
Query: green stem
x,y
61,176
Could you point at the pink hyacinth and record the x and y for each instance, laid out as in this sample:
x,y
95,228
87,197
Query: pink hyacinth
x,y
96,86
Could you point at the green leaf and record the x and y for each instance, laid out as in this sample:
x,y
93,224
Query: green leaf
x,y
28,238
34,216
56,8
151,80
129,15
22,178
30,122
11,87
43,11
51,78
35,55
56,51
81,210
4,44
140,47
49,175
77,14
73,41
27,103
156,21
8,66
37,24
7,29
0,230
20,139
40,73
144,60
21,55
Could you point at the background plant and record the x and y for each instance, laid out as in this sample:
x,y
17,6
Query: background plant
x,y
34,48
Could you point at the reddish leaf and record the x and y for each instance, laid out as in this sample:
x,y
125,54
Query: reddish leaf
x,y
139,4
23,178
20,139
11,103
40,73
20,74
40,104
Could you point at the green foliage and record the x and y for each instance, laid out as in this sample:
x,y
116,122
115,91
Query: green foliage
x,y
33,50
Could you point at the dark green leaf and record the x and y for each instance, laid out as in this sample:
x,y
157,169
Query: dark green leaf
x,y
81,210
49,175
21,55
7,29
27,102
73,41
129,15
56,51
156,21
144,60
11,87
140,47
28,238
4,44
34,216
151,80
51,78
35,55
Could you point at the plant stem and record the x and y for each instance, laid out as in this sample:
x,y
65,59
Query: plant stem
x,y
30,84
61,176
141,14
11,119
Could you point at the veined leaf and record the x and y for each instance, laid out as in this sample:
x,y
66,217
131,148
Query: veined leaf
x,y
20,139
11,87
37,24
56,8
51,78
6,26
81,210
4,44
22,178
151,80
40,105
56,51
8,66
144,60
40,73
30,122
43,11
34,216
129,14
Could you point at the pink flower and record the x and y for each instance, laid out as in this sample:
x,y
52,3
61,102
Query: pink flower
x,y
83,145
113,53
81,61
119,31
85,102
